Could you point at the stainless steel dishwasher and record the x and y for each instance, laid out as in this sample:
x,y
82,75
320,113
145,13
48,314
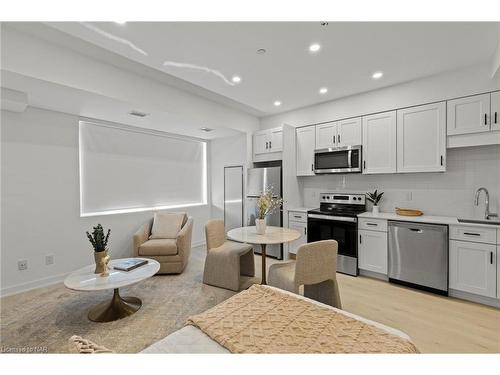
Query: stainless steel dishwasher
x,y
418,255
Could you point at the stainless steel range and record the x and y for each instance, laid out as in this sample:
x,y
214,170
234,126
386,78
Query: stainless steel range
x,y
336,219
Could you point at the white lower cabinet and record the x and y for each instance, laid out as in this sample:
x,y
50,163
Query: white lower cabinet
x,y
473,268
298,221
372,251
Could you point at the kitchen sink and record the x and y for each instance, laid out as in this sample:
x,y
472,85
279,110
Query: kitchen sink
x,y
480,221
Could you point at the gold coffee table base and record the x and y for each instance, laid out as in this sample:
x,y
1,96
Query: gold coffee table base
x,y
117,308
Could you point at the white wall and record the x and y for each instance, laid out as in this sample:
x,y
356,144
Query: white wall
x,y
443,194
225,152
472,80
40,202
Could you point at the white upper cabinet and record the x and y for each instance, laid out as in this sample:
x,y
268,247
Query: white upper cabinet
x,y
326,135
469,115
495,110
260,143
276,140
349,132
473,268
421,138
305,143
266,142
379,143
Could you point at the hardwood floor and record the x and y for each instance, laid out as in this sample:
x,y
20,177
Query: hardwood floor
x,y
436,324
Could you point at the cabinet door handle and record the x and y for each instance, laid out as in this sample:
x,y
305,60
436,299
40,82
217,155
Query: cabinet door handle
x,y
270,144
297,217
491,257
266,146
364,164
360,238
441,160
338,138
496,117
471,234
305,230
333,139
372,224
485,119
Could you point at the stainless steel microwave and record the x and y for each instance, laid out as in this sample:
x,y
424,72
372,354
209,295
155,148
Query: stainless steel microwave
x,y
338,160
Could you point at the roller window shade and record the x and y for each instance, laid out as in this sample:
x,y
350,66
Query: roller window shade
x,y
130,169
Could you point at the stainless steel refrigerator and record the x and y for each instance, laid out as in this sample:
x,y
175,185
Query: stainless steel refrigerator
x,y
258,179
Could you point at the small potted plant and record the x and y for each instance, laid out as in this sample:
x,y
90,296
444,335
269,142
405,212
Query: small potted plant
x,y
99,243
266,205
374,198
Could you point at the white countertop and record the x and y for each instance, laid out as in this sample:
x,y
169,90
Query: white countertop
x,y
448,220
301,209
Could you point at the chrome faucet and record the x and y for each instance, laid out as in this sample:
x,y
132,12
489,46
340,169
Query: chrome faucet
x,y
487,214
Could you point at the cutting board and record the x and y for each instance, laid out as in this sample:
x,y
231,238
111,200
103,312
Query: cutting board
x,y
408,212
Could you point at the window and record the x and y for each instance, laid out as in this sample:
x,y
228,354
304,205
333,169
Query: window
x,y
127,169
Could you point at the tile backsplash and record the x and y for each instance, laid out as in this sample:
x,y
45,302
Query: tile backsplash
x,y
449,193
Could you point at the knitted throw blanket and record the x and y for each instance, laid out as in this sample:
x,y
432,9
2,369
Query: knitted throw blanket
x,y
263,320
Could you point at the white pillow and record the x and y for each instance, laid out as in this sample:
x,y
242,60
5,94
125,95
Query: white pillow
x,y
166,225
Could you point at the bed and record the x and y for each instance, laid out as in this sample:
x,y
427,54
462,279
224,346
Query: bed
x,y
214,331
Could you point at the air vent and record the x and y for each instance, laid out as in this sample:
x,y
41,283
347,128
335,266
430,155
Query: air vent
x,y
206,129
138,114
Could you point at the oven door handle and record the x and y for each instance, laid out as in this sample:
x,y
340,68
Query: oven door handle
x,y
333,218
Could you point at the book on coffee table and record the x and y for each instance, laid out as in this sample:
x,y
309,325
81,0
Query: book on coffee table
x,y
130,264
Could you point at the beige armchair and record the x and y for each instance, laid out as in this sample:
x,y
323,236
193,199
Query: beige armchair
x,y
227,261
172,254
315,268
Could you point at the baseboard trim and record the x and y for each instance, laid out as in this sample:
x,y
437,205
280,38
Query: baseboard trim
x,y
40,283
31,285
474,298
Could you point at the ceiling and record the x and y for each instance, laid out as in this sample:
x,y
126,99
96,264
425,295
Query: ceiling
x,y
55,97
208,55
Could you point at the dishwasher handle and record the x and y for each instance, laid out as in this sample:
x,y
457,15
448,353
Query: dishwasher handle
x,y
417,230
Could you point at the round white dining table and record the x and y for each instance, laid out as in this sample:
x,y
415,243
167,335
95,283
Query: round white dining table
x,y
273,235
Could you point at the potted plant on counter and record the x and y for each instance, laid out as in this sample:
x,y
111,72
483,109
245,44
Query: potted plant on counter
x,y
374,198
99,243
265,206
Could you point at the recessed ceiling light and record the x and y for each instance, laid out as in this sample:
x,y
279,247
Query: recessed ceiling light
x,y
121,22
377,75
323,90
277,103
314,47
236,79
261,51
206,129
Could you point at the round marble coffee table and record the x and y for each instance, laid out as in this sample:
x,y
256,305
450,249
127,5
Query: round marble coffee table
x,y
119,307
273,235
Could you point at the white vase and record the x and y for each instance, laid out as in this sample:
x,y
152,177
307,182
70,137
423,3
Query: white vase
x,y
260,226
375,210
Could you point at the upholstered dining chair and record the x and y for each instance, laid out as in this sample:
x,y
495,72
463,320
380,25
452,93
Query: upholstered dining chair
x,y
314,268
226,261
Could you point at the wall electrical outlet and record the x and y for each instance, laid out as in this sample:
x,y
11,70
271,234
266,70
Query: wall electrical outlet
x,y
49,259
22,264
